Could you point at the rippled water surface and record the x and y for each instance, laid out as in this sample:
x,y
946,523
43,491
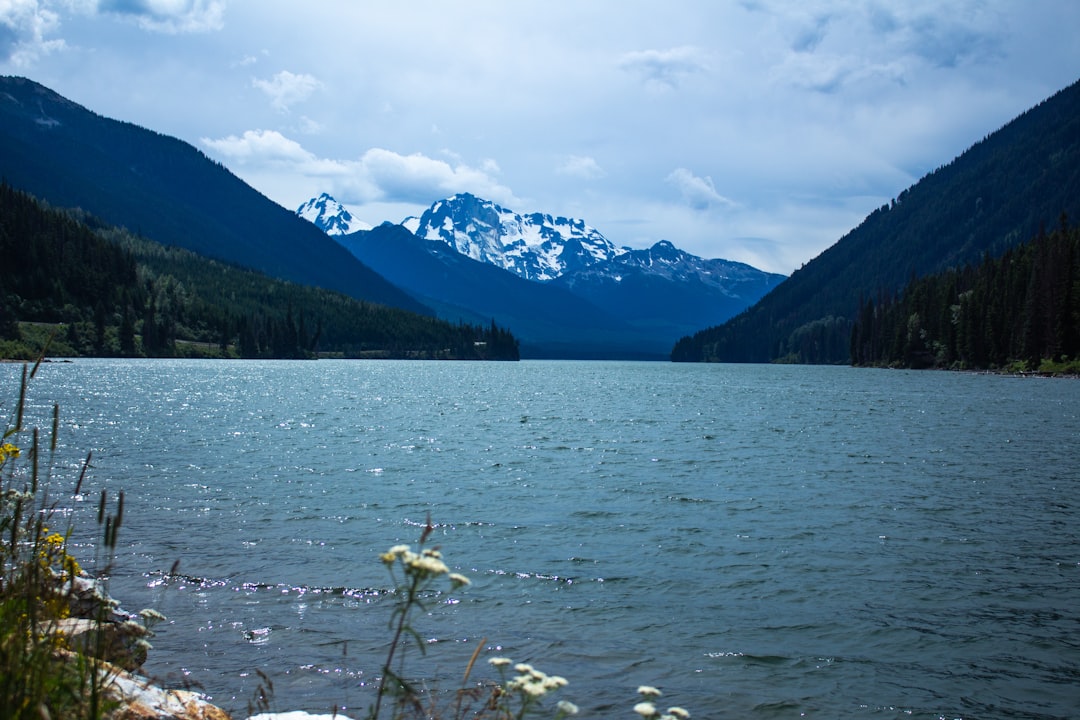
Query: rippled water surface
x,y
758,541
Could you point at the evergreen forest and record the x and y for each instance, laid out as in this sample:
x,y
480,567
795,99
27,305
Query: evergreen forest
x,y
86,288
993,197
1019,311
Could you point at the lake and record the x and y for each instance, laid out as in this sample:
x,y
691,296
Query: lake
x,y
757,541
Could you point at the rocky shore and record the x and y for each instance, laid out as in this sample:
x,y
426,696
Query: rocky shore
x,y
97,628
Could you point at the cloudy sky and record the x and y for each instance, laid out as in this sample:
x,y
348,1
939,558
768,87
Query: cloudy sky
x,y
753,130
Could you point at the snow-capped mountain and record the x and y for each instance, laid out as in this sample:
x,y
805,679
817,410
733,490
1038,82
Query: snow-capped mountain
x,y
664,260
562,287
330,216
535,246
664,286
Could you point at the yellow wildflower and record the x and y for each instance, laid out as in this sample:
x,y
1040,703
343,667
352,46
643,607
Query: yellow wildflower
x,y
7,450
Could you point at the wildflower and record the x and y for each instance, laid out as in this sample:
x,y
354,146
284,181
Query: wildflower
x,y
645,709
148,614
678,712
499,661
565,707
393,553
7,450
552,682
426,564
458,580
534,689
523,668
648,691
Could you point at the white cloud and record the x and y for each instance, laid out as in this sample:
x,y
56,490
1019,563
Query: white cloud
x,y
418,178
169,16
698,192
307,126
286,88
582,167
271,148
664,67
24,25
379,175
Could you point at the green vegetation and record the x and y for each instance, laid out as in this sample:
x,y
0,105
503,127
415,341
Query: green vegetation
x,y
45,670
992,197
1020,311
97,290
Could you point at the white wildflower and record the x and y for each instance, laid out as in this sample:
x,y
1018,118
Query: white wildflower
x,y
533,688
679,713
648,691
500,661
645,709
426,564
567,708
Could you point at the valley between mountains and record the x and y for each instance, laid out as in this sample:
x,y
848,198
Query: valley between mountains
x,y
564,289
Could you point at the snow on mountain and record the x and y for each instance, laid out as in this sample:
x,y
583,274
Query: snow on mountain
x,y
330,216
535,247
664,260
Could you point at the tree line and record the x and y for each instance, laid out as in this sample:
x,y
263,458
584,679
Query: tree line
x,y
108,292
992,197
1021,309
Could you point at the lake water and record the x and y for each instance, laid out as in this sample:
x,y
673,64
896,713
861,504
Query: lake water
x,y
757,541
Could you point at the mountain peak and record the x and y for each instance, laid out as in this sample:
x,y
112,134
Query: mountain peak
x,y
330,216
535,246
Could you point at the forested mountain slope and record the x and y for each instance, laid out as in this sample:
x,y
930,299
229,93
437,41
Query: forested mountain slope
x,y
992,197
1020,310
101,291
164,189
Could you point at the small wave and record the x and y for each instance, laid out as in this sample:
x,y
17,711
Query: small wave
x,y
258,636
688,499
161,579
593,514
767,660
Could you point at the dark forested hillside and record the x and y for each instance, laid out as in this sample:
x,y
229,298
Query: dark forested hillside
x,y
110,293
164,189
1020,308
991,198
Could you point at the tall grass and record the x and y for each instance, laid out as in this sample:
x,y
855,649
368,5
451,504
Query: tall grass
x,y
41,675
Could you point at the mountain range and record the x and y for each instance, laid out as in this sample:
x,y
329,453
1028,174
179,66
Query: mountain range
x,y
558,283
